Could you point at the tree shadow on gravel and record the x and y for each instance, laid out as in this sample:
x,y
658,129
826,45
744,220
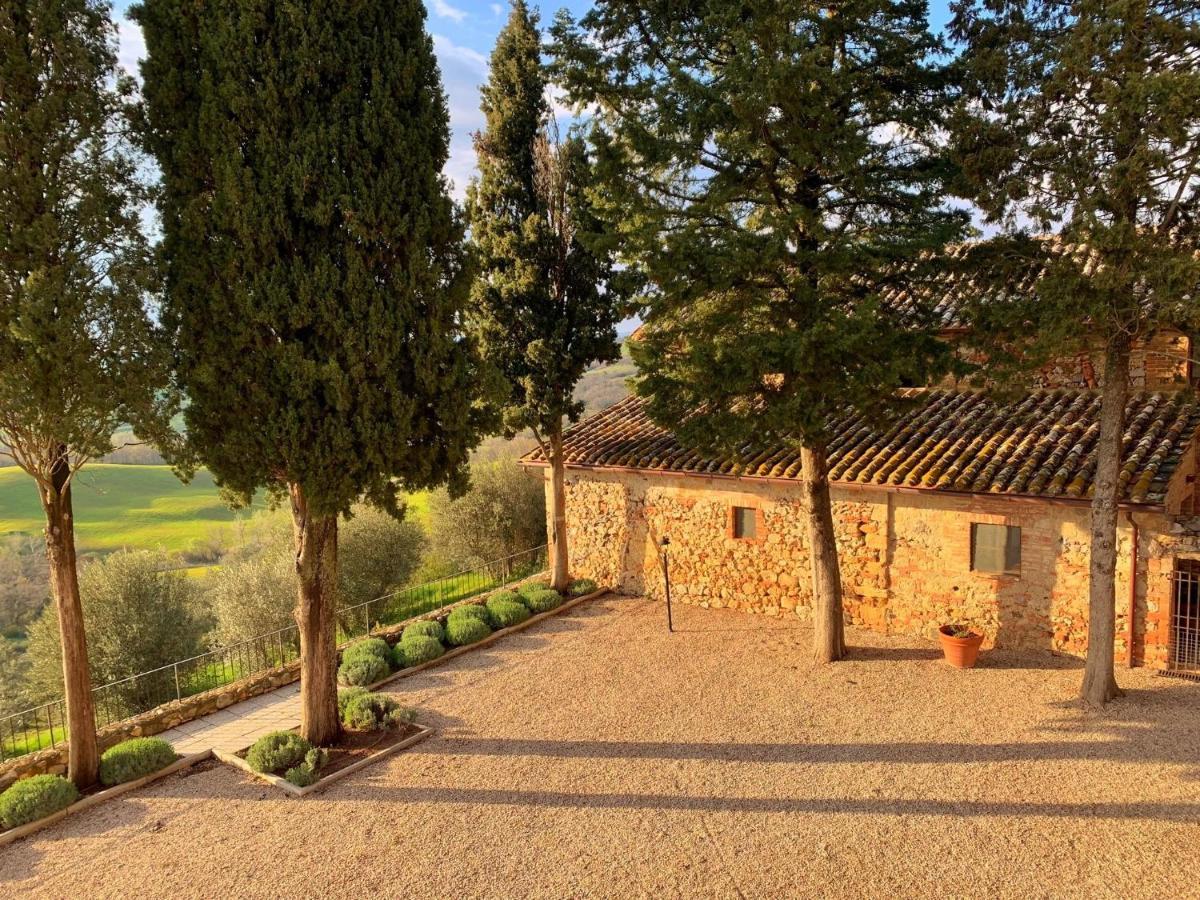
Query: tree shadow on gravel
x,y
1184,813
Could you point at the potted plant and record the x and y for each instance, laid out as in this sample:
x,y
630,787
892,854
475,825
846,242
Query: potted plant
x,y
960,644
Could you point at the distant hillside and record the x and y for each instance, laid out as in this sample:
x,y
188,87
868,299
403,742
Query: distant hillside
x,y
122,506
603,386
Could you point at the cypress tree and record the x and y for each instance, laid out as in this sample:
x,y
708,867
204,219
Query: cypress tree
x,y
766,168
1083,118
548,299
316,270
79,354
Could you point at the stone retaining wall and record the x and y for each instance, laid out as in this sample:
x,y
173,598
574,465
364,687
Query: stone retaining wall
x,y
53,760
905,557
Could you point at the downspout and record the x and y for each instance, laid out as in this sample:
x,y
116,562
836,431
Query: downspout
x,y
1133,569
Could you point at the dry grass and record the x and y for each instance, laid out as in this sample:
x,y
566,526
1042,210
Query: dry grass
x,y
594,755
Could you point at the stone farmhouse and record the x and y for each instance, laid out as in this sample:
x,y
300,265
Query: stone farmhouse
x,y
961,510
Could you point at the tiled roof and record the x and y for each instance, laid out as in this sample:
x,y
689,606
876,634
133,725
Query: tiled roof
x,y
1042,445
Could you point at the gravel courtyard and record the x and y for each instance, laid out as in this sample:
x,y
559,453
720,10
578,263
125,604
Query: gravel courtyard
x,y
596,755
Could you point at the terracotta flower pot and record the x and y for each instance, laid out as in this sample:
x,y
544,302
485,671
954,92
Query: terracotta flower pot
x,y
960,652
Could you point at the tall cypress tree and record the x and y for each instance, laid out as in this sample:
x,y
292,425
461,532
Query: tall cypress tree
x,y
316,268
765,166
79,353
1083,118
548,299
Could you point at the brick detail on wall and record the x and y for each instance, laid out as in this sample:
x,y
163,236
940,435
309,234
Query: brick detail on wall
x,y
905,558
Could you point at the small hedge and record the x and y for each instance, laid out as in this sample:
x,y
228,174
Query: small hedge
x,y
425,628
365,662
470,611
347,695
581,587
277,752
369,712
543,601
466,630
506,596
506,613
35,798
306,773
134,759
418,649
532,587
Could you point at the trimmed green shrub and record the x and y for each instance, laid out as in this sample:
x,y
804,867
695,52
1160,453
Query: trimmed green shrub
x,y
365,670
582,586
466,630
346,695
419,649
425,628
307,772
277,752
506,613
506,596
470,611
35,798
368,712
376,648
532,587
543,601
399,660
134,759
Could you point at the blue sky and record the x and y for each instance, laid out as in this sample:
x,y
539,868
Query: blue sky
x,y
463,34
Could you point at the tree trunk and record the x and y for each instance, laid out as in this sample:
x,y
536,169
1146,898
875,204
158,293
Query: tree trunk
x,y
829,638
316,614
83,758
1099,675
559,564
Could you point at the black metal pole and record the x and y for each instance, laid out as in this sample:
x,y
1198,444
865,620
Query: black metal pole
x,y
666,542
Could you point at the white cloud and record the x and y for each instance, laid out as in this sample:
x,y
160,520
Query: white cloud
x,y
131,45
463,71
497,10
451,53
444,10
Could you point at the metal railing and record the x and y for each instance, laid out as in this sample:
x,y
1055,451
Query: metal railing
x,y
46,725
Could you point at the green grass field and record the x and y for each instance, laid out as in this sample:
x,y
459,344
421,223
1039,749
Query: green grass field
x,y
138,507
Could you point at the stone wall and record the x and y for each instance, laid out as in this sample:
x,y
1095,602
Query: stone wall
x,y
905,557
53,760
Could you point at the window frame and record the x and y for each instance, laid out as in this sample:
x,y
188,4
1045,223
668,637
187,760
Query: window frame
x,y
732,524
1006,571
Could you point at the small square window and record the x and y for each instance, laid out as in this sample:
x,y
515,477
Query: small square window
x,y
996,549
745,523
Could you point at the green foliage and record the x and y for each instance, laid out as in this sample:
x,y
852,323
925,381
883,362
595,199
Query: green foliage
x,y
277,752
550,297
419,649
14,668
768,174
137,617
79,352
346,696
365,662
35,798
329,353
376,648
543,601
506,613
134,759
505,597
426,627
468,611
533,587
368,712
306,773
502,513
466,630
377,554
581,587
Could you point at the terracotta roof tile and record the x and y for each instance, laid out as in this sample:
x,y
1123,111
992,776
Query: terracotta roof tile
x,y
1040,445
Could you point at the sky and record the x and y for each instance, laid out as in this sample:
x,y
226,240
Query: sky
x,y
464,32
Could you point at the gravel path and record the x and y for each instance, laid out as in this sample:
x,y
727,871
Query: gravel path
x,y
594,755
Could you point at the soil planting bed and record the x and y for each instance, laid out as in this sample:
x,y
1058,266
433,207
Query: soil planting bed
x,y
354,750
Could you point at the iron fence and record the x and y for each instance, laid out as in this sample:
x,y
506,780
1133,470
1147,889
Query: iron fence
x,y
46,725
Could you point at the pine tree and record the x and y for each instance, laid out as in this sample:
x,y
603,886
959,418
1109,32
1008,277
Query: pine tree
x,y
1084,120
548,298
79,354
316,270
765,167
